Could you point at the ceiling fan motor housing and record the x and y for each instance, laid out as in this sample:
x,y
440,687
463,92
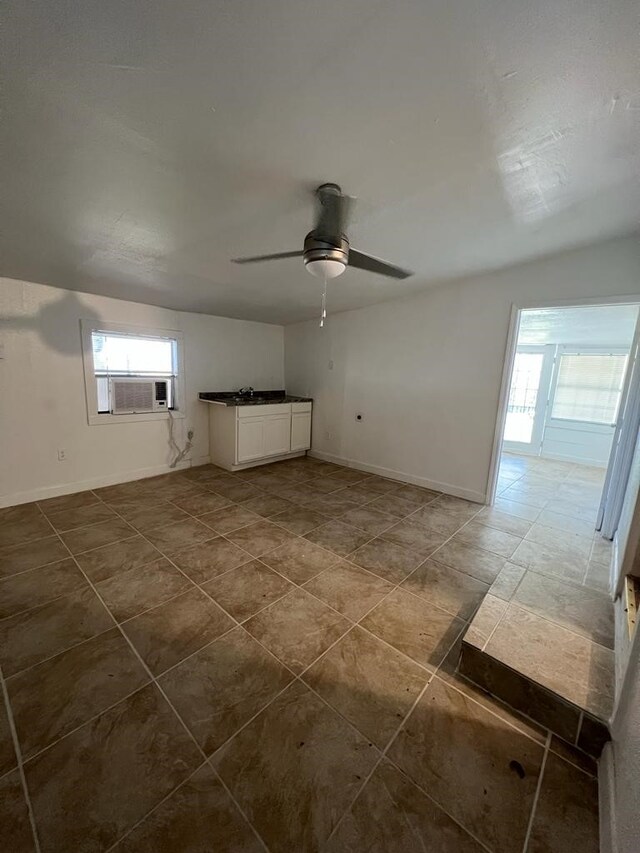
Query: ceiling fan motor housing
x,y
325,249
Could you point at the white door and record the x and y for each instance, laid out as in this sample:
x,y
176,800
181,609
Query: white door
x,y
250,444
530,379
623,446
301,431
277,434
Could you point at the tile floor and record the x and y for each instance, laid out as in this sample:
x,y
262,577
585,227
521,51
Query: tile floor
x,y
267,661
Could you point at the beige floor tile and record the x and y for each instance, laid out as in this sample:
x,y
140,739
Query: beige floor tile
x,y
485,621
453,591
207,560
260,538
437,519
297,629
88,538
199,816
230,518
414,535
492,517
506,583
170,632
173,537
370,520
111,560
267,505
562,540
62,693
237,492
338,537
16,532
488,539
69,519
124,763
247,589
14,815
549,518
575,668
142,588
218,690
349,589
566,816
300,560
393,504
369,683
38,586
28,638
389,561
517,508
299,520
32,555
295,769
473,764
414,627
597,577
349,476
479,564
569,507
550,561
581,610
417,493
149,518
202,503
74,501
333,505
457,507
8,758
392,815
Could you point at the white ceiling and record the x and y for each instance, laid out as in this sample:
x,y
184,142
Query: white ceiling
x,y
148,142
603,325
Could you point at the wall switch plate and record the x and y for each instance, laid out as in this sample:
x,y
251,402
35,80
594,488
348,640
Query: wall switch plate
x,y
331,365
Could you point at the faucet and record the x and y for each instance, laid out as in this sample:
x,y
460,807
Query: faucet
x,y
248,391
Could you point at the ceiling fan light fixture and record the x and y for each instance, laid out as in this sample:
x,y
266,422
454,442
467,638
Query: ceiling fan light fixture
x,y
325,267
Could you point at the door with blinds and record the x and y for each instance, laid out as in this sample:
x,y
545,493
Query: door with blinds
x,y
584,401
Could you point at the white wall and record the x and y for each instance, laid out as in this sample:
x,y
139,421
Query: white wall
x,y
42,396
425,372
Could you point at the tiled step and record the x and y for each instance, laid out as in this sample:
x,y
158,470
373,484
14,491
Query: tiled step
x,y
547,650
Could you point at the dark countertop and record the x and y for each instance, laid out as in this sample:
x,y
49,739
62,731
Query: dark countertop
x,y
258,398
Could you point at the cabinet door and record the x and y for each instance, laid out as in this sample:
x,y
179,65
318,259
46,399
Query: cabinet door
x,y
250,439
277,434
301,431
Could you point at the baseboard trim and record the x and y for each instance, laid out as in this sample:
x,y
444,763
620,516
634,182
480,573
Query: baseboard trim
x,y
403,477
606,800
96,483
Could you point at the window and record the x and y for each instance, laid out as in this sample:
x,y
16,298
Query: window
x,y
133,363
589,387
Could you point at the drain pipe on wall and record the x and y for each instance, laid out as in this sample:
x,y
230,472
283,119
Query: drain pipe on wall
x,y
179,454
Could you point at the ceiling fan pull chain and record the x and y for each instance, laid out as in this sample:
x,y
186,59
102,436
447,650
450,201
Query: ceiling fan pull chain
x,y
323,313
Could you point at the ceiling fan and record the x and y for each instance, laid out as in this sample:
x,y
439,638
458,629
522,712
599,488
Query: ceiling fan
x,y
326,251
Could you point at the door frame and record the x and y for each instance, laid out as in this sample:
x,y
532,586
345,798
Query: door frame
x,y
509,358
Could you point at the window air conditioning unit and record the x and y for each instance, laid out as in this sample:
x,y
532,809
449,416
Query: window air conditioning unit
x,y
134,396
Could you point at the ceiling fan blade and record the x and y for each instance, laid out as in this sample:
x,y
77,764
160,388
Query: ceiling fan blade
x,y
276,257
366,262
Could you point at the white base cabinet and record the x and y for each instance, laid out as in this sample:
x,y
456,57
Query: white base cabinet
x,y
241,436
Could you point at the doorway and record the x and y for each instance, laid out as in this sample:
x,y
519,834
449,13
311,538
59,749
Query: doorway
x,y
566,386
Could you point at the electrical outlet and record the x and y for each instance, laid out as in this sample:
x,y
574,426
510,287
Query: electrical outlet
x,y
62,455
190,435
327,434
331,365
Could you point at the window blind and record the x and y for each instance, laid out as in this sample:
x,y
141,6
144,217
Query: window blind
x,y
589,387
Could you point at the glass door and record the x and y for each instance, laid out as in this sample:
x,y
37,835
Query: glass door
x,y
528,397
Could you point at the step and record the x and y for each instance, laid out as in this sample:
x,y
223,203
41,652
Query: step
x,y
546,649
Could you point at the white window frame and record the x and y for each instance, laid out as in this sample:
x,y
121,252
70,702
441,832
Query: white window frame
x,y
88,327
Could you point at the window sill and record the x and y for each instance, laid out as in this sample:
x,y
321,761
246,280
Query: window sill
x,y
129,419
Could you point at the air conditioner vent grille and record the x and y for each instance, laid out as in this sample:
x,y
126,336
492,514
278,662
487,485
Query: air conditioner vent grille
x,y
133,396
